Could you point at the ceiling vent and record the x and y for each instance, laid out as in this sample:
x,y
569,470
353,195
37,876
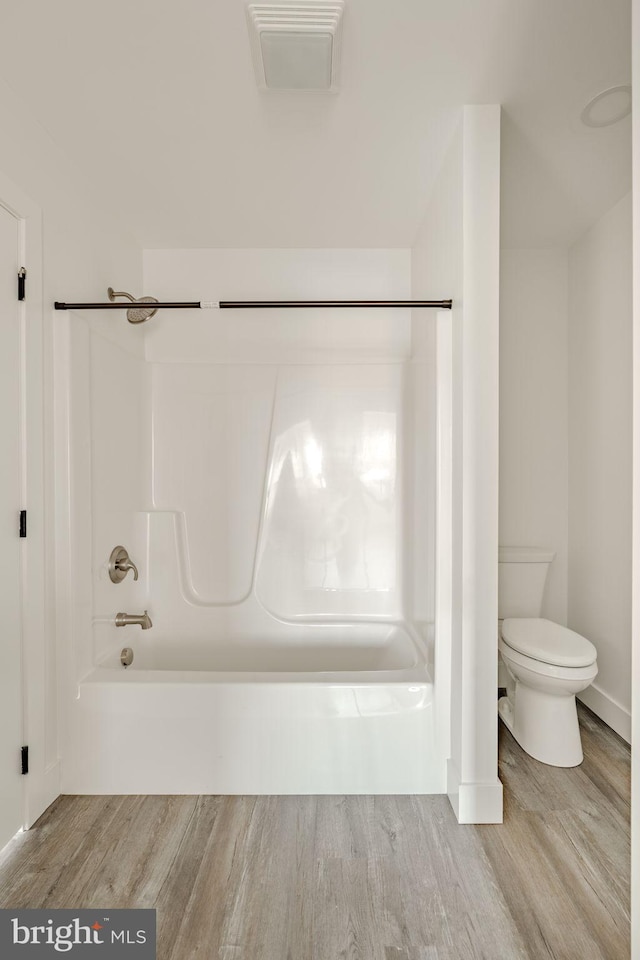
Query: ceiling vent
x,y
296,45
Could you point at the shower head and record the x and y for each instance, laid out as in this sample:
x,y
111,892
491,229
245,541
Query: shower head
x,y
134,315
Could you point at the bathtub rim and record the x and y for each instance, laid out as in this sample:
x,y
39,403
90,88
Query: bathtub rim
x,y
418,674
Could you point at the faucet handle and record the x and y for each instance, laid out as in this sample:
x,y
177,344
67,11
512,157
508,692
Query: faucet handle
x,y
127,565
119,565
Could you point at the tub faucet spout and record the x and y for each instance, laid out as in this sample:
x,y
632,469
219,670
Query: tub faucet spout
x,y
131,619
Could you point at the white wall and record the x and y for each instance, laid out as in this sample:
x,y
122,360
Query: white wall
x,y
600,412
534,457
83,251
457,254
85,248
278,336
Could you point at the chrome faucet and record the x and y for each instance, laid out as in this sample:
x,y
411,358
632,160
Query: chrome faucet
x,y
131,619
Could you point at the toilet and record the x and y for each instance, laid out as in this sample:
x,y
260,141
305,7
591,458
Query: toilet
x,y
546,664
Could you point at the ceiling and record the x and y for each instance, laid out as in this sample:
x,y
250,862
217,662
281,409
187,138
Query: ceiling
x,y
158,100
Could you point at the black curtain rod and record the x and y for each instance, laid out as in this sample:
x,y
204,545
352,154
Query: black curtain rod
x,y
252,304
260,304
132,304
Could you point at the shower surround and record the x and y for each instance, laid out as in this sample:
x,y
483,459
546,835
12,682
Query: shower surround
x,y
274,478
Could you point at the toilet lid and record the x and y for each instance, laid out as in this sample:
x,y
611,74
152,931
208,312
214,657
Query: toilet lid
x,y
549,642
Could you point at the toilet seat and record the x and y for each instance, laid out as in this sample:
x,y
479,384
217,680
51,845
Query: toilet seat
x,y
549,670
548,642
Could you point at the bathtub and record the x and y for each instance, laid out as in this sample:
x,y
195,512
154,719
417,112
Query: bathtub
x,y
332,708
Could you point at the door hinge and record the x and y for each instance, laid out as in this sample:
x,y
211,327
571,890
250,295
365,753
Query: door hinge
x,y
23,523
25,760
22,284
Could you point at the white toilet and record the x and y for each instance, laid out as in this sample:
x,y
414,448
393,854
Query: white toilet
x,y
546,664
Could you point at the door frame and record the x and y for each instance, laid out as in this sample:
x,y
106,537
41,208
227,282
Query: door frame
x,y
39,708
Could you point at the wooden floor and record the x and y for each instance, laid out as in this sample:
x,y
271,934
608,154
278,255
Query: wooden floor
x,y
354,878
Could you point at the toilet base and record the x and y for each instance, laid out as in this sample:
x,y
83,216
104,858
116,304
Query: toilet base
x,y
546,727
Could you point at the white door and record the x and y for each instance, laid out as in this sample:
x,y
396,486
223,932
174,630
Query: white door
x,y
10,505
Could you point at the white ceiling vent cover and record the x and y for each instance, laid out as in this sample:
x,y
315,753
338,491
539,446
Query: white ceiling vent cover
x,y
296,44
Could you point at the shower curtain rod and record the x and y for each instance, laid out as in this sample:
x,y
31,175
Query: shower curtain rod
x,y
252,304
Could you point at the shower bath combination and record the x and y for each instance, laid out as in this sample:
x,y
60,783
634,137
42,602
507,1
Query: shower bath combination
x,y
292,648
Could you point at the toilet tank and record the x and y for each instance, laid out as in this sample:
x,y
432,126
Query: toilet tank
x,y
522,574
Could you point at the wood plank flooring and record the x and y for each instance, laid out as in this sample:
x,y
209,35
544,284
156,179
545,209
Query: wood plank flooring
x,y
354,878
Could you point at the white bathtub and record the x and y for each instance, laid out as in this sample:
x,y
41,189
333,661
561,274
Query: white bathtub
x,y
324,709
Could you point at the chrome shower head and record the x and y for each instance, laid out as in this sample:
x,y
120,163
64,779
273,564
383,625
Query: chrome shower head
x,y
135,315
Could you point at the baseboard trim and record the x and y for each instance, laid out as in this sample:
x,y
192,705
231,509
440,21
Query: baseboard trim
x,y
41,793
613,713
474,802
